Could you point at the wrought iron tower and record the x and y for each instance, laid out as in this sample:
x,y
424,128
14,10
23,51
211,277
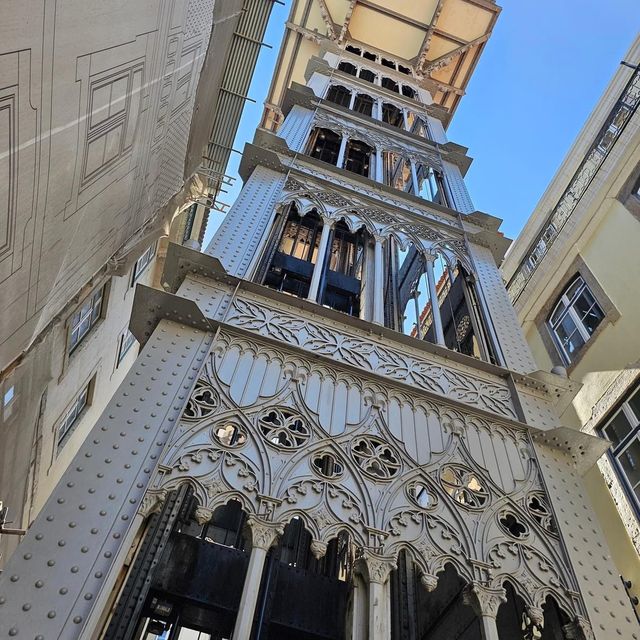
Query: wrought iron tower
x,y
334,429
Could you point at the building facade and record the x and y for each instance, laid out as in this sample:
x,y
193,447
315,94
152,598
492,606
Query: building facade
x,y
109,145
573,276
293,453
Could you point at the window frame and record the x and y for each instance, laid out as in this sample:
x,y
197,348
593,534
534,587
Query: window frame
x,y
85,399
615,451
94,318
127,338
145,260
569,310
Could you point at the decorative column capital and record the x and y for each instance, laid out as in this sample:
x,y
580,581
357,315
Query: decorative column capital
x,y
536,615
376,568
318,549
429,582
264,535
152,502
203,515
579,629
485,601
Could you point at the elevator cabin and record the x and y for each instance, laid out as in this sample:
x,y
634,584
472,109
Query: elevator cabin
x,y
292,259
187,578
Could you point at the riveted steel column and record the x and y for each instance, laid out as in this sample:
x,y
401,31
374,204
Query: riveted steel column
x,y
57,579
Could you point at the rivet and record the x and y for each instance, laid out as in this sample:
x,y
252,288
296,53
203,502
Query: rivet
x,y
98,574
75,569
72,525
39,584
103,513
13,631
84,549
26,606
107,460
51,614
88,596
63,591
14,578
60,500
50,518
100,475
94,531
77,619
82,507
38,536
107,554
70,484
27,556
51,563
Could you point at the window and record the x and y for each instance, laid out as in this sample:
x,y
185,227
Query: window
x,y
408,91
430,185
325,145
388,63
363,104
143,262
392,115
9,395
358,157
339,95
367,55
347,67
114,106
623,431
574,319
125,342
405,70
367,75
73,414
355,50
83,320
391,85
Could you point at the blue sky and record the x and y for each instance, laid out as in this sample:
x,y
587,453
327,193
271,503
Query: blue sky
x,y
541,74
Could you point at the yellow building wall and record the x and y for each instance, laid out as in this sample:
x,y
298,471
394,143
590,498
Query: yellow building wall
x,y
612,255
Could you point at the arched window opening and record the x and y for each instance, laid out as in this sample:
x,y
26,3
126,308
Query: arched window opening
x,y
358,157
408,91
391,85
392,115
405,70
367,75
430,185
397,171
347,67
388,63
574,319
351,49
226,527
434,615
417,125
291,265
325,145
364,104
339,95
367,55
412,290
343,280
461,318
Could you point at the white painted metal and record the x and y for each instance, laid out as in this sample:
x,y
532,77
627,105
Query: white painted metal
x,y
321,256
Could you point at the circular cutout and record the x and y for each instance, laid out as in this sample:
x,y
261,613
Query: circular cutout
x,y
326,465
511,524
230,435
375,457
284,428
422,495
203,402
464,486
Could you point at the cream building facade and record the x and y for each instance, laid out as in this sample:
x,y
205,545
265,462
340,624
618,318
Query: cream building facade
x,y
289,457
109,146
573,275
